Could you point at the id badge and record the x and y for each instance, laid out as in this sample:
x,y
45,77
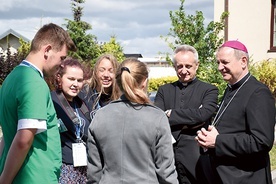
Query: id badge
x,y
79,154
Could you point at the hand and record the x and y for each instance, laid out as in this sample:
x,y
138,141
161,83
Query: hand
x,y
168,112
207,138
200,138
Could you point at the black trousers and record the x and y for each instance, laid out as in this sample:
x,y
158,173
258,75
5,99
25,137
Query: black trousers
x,y
205,172
184,177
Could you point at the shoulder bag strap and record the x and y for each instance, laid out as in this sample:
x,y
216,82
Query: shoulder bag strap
x,y
67,108
84,109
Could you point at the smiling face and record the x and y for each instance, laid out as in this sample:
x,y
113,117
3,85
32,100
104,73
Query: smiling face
x,y
185,66
105,75
231,68
71,82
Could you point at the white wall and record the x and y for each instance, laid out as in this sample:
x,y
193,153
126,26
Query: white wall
x,y
157,72
249,22
163,69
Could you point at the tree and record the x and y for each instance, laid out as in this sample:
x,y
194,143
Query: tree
x,y
23,49
113,47
190,29
88,48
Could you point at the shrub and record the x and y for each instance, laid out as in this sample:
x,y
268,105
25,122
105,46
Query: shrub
x,y
155,83
264,71
8,61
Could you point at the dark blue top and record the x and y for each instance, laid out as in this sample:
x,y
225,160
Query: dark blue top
x,y
68,137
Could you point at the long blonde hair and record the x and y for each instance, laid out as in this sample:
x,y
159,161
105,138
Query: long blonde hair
x,y
94,83
130,76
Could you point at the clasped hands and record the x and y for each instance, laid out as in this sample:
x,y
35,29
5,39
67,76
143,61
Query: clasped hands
x,y
207,138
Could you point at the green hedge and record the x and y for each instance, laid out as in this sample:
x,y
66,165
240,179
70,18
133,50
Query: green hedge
x,y
154,83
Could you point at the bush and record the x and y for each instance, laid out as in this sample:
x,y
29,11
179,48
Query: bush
x,y
8,61
272,154
264,71
155,83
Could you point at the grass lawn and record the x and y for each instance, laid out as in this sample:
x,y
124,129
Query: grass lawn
x,y
272,154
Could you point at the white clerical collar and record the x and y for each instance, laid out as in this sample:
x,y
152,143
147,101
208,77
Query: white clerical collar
x,y
186,83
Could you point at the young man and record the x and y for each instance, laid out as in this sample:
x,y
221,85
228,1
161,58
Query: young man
x,y
31,151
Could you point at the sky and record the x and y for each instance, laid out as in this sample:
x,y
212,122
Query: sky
x,y
137,25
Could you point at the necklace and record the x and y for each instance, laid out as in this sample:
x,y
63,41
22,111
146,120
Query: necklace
x,y
215,122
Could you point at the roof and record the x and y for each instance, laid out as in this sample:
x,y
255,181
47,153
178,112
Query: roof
x,y
16,34
133,55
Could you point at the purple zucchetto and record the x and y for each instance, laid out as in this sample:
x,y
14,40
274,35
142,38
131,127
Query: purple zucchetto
x,y
235,44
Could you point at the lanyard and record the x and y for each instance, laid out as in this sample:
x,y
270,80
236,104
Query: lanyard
x,y
28,64
78,125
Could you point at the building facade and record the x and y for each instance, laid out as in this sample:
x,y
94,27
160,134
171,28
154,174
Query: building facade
x,y
10,38
252,23
158,66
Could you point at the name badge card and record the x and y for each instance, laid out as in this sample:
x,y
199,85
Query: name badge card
x,y
79,154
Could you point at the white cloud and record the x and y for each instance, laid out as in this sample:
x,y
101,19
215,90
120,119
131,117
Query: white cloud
x,y
7,5
137,25
148,47
111,5
28,27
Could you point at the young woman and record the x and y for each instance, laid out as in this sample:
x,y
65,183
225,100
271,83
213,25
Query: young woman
x,y
73,118
102,88
129,140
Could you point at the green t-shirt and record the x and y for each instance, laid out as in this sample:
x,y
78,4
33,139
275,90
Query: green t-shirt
x,y
25,95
